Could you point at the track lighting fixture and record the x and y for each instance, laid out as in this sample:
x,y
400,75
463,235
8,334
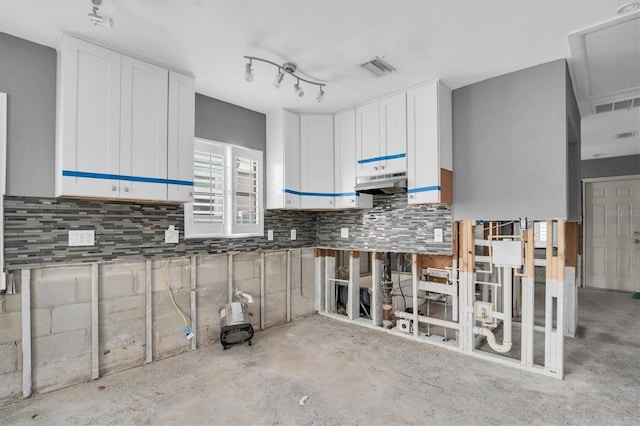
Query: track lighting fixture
x,y
284,69
97,19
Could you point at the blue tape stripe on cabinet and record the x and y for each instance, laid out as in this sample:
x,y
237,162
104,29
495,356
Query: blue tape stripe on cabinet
x,y
108,176
386,157
424,189
320,194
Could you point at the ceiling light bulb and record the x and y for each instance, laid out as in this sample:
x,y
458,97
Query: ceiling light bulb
x,y
320,96
278,79
248,73
102,20
298,89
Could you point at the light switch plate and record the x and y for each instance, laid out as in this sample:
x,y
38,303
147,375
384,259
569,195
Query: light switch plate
x,y
82,238
270,235
438,236
293,234
344,233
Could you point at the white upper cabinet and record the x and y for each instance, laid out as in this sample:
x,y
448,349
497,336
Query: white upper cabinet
x,y
88,122
180,137
143,130
345,163
430,155
381,136
283,160
115,137
316,162
393,134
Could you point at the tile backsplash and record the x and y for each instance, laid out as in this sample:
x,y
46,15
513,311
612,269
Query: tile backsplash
x,y
36,230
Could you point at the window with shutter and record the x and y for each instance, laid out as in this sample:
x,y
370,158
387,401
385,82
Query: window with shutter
x,y
227,197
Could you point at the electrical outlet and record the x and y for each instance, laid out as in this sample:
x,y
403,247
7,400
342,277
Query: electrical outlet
x,y
344,233
171,235
438,236
82,238
270,235
293,234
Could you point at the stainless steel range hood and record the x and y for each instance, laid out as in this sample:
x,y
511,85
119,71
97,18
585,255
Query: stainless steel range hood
x,y
382,184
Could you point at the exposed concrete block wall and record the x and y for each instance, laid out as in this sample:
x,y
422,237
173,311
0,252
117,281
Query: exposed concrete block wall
x,y
10,346
246,278
275,297
211,294
61,315
303,286
121,314
167,325
60,326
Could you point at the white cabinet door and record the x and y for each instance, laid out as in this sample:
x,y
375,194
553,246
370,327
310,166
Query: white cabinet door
x,y
283,160
180,137
143,131
393,134
88,128
367,139
345,163
429,144
316,162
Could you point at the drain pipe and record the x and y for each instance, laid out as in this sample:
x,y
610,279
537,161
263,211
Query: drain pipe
x,y
507,291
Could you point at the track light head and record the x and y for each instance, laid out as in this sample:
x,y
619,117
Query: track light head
x,y
98,19
278,79
248,72
320,96
298,89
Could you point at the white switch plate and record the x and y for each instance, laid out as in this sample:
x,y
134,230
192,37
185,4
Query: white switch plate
x,y
270,235
171,235
82,238
344,232
293,234
437,235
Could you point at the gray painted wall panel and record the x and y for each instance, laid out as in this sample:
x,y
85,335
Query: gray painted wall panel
x,y
510,146
223,122
28,75
615,166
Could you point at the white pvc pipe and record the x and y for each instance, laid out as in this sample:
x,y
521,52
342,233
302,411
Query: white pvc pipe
x,y
428,320
26,332
507,290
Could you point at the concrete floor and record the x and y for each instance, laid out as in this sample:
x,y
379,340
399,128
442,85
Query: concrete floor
x,y
354,375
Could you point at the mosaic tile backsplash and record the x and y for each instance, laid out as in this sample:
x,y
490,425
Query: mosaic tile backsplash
x,y
391,225
36,230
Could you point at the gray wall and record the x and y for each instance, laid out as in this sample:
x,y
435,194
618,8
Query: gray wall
x,y
574,185
28,76
510,146
223,122
614,166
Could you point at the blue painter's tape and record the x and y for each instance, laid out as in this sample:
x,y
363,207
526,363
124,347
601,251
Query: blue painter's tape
x,y
321,194
108,176
424,189
386,157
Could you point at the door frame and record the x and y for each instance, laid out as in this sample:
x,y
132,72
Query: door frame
x,y
584,215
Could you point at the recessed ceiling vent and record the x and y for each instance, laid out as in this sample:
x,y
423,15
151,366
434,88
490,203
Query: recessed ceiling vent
x,y
377,67
618,105
625,135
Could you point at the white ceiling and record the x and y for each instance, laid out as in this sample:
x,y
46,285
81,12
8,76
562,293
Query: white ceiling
x,y
460,42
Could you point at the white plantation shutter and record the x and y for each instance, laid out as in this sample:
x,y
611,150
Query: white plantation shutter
x,y
227,196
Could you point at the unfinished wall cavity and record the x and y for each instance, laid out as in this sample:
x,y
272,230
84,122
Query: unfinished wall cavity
x,y
133,325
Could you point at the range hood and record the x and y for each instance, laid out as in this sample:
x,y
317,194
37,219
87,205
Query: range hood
x,y
393,183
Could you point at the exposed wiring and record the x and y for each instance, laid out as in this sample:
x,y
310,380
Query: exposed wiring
x,y
166,283
400,282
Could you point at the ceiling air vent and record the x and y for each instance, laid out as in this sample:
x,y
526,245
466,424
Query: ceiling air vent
x,y
378,67
625,135
618,105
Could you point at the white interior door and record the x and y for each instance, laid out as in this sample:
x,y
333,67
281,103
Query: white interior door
x,y
612,234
